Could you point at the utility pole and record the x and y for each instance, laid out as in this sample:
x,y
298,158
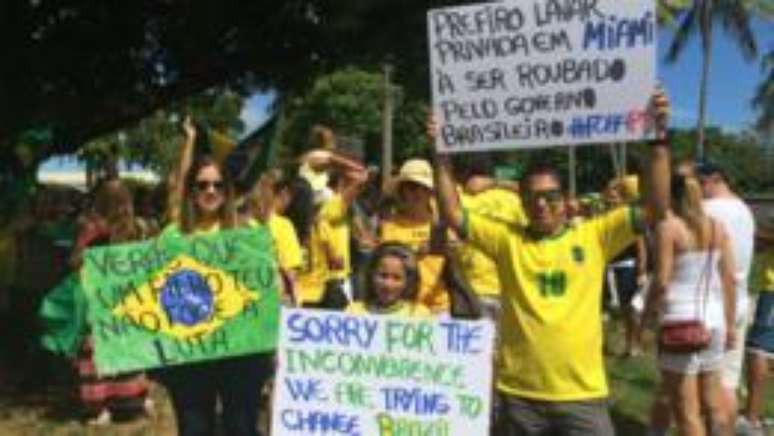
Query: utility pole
x,y
387,127
573,175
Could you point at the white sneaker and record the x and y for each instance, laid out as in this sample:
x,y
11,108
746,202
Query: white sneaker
x,y
104,418
149,407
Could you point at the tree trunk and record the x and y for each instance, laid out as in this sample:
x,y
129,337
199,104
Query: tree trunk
x,y
706,34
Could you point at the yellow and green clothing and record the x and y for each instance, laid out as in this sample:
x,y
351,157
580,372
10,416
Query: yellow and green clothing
x,y
329,238
478,269
286,242
432,288
551,328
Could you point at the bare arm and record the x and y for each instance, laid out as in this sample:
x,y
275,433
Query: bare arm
x,y
445,191
176,180
658,176
354,180
664,270
642,257
728,279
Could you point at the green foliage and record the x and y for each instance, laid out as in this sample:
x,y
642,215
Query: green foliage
x,y
764,96
351,101
154,141
743,155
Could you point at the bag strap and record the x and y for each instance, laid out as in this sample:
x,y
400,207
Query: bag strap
x,y
706,276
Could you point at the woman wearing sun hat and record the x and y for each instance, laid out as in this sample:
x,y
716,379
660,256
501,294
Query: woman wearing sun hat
x,y
412,223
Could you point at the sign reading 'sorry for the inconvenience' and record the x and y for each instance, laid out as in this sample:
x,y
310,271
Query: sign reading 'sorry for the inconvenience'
x,y
342,374
539,73
180,299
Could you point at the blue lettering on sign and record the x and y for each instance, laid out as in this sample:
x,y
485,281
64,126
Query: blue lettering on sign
x,y
462,338
187,298
615,33
305,390
332,329
318,422
415,401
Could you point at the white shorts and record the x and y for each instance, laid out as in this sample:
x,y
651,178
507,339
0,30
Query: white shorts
x,y
733,359
707,360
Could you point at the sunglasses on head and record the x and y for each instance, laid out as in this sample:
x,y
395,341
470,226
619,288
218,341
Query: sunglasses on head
x,y
551,196
204,185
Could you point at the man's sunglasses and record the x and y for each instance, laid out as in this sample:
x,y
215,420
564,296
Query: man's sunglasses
x,y
551,196
204,185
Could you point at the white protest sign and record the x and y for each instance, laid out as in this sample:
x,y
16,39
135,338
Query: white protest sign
x,y
540,73
342,374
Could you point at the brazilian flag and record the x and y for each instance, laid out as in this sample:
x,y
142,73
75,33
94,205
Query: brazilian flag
x,y
180,299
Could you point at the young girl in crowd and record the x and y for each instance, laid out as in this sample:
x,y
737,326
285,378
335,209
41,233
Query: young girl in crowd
x,y
201,200
112,221
694,278
412,224
391,283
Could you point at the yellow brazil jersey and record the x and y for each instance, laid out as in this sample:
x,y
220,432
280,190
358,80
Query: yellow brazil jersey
x,y
432,289
402,308
329,238
478,269
285,242
765,266
551,327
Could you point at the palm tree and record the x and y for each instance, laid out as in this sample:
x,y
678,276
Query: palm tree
x,y
734,15
764,96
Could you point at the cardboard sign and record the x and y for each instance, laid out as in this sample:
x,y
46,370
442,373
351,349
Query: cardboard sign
x,y
179,299
378,375
542,73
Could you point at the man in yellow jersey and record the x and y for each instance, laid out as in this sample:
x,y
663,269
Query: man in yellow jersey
x,y
551,375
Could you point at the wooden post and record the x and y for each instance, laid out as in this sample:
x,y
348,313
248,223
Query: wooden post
x,y
387,127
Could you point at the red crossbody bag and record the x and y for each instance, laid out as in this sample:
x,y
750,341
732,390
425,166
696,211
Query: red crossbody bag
x,y
690,336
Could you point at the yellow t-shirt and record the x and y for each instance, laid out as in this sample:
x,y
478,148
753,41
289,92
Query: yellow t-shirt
x,y
336,214
406,309
285,242
432,289
551,329
478,269
329,237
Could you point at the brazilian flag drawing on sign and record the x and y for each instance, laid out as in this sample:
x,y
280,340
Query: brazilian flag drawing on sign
x,y
179,299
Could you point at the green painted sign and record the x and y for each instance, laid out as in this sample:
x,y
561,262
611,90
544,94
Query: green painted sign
x,y
180,299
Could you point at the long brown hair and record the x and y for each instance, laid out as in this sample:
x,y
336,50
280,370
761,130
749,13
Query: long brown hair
x,y
227,214
113,203
687,204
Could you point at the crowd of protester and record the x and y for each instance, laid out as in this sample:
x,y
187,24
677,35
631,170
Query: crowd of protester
x,y
445,238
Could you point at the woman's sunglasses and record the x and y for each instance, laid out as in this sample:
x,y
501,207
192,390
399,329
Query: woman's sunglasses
x,y
205,185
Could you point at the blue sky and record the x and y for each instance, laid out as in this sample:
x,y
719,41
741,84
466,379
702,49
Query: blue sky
x,y
732,80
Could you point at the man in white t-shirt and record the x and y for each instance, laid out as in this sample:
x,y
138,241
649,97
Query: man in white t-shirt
x,y
722,204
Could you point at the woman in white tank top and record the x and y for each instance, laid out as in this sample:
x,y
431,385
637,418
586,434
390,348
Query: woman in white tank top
x,y
694,280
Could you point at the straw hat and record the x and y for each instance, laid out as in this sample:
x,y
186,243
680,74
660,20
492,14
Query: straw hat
x,y
416,171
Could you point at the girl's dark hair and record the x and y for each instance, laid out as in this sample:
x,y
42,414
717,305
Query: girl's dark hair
x,y
410,266
228,211
300,210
